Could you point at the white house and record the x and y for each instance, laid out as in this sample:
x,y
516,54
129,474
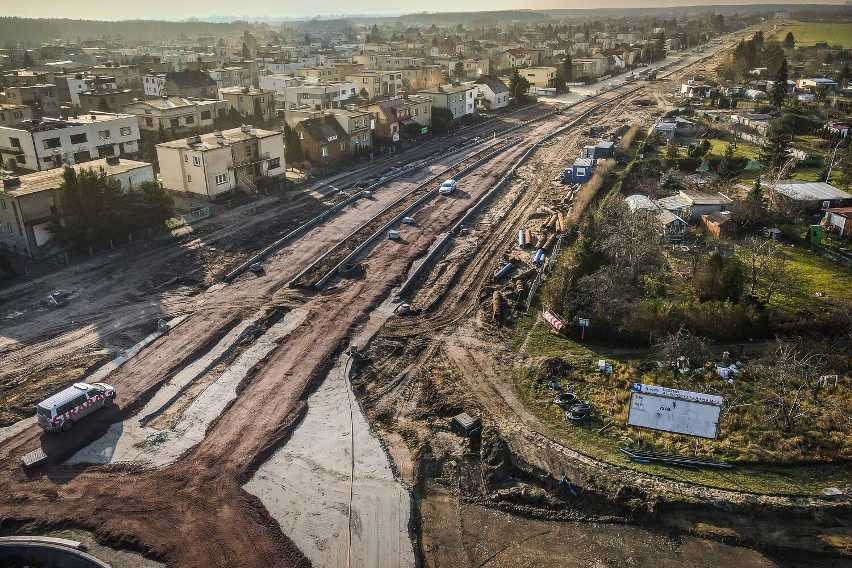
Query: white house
x,y
492,93
53,142
154,85
215,164
292,92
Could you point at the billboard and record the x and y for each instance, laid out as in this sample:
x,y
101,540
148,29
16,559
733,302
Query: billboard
x,y
673,410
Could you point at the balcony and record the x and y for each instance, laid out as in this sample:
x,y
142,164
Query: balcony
x,y
251,160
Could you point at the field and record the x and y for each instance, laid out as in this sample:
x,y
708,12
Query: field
x,y
807,34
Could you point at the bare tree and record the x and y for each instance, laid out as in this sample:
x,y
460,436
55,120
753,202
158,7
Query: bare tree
x,y
629,238
757,253
681,349
787,380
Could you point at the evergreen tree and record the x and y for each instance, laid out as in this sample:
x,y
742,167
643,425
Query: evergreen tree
x,y
789,40
103,106
844,76
729,169
779,89
776,152
518,87
568,67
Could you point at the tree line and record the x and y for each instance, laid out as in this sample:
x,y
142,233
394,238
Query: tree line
x,y
96,210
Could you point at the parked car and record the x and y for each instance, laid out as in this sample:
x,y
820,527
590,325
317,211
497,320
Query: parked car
x,y
60,411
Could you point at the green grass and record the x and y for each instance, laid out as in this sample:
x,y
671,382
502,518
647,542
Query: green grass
x,y
807,34
819,274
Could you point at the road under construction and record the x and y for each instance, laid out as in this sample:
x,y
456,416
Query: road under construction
x,y
237,438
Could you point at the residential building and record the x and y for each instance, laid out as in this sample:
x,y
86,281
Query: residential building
x,y
51,143
691,90
186,83
154,85
323,140
402,118
539,76
229,77
319,73
459,99
249,102
814,85
812,195
177,114
27,78
425,77
692,204
42,99
295,92
107,101
126,76
31,204
592,67
13,114
669,127
80,83
492,93
217,164
671,226
377,83
514,57
358,125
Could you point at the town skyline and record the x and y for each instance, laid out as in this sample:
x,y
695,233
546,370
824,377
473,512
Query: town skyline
x,y
269,9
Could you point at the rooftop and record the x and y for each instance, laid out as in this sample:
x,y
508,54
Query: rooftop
x,y
173,102
448,89
809,190
47,124
52,179
694,197
211,141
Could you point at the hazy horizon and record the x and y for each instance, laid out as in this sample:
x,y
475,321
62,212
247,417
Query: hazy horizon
x,y
202,9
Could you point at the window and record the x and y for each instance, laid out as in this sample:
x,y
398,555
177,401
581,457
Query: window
x,y
190,120
205,115
363,138
79,138
301,135
188,178
17,114
221,178
342,146
125,131
103,134
10,228
149,122
416,111
51,143
196,161
325,151
174,122
2,204
274,163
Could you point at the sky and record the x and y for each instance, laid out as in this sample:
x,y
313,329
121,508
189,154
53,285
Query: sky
x,y
175,10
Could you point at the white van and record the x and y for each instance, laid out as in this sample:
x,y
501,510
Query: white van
x,y
447,187
60,411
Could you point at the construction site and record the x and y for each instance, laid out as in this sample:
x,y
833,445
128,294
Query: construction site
x,y
295,388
